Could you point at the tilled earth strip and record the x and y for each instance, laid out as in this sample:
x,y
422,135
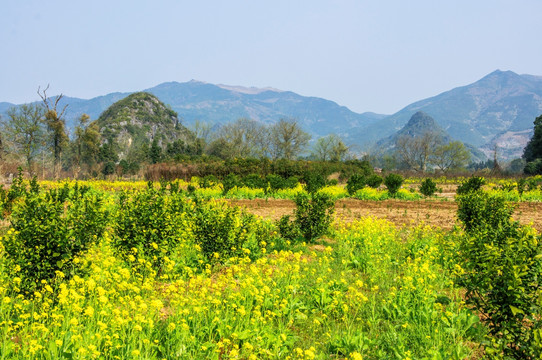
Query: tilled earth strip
x,y
411,213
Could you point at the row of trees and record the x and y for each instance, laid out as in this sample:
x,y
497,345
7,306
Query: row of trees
x,y
282,140
35,135
34,131
431,150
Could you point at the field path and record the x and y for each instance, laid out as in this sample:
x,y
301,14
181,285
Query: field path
x,y
431,212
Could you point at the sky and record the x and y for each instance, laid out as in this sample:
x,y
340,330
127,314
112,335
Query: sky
x,y
377,56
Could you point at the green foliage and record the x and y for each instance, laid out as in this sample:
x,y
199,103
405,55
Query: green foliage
x,y
277,182
355,183
223,231
533,167
474,183
351,167
149,225
500,264
208,181
393,182
533,150
313,182
155,152
109,168
313,216
254,181
48,233
129,167
374,181
229,182
428,187
288,229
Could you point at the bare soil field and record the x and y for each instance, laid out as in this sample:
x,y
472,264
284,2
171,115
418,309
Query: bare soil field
x,y
436,213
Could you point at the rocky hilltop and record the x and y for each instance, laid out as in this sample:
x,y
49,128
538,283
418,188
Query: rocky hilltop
x,y
138,120
417,126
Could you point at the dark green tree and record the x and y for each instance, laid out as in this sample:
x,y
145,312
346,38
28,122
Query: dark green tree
x,y
533,150
155,152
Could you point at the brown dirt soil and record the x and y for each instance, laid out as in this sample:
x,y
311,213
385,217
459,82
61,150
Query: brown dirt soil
x,y
411,213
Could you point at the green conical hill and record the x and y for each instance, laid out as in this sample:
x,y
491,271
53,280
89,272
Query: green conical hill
x,y
138,120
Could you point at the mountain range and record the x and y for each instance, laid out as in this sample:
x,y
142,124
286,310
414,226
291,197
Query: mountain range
x,y
497,110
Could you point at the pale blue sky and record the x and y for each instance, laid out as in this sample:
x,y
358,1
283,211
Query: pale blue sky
x,y
376,55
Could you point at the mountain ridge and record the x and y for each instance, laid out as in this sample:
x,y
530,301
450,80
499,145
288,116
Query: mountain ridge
x,y
477,113
498,109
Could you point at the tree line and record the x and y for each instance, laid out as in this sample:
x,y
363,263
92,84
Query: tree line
x,y
35,136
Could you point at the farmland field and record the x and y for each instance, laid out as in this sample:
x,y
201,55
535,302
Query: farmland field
x,y
152,271
440,214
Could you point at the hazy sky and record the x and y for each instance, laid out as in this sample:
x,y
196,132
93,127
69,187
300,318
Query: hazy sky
x,y
367,55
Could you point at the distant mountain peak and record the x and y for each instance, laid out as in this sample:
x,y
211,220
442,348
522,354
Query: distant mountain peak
x,y
421,123
247,90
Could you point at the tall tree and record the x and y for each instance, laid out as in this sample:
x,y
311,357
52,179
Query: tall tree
x,y
288,140
155,152
25,130
453,155
56,127
415,151
533,150
85,147
330,147
244,138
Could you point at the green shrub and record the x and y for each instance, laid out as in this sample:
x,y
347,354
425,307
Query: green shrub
x,y
332,182
374,181
275,182
313,216
313,182
149,226
474,183
47,235
16,191
533,167
393,182
109,168
428,187
208,181
521,185
500,264
191,189
288,229
230,181
355,183
223,231
254,181
533,183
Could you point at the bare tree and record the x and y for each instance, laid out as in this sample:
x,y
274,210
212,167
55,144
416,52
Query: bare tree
x,y
288,140
245,138
56,127
415,151
201,130
329,147
25,130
